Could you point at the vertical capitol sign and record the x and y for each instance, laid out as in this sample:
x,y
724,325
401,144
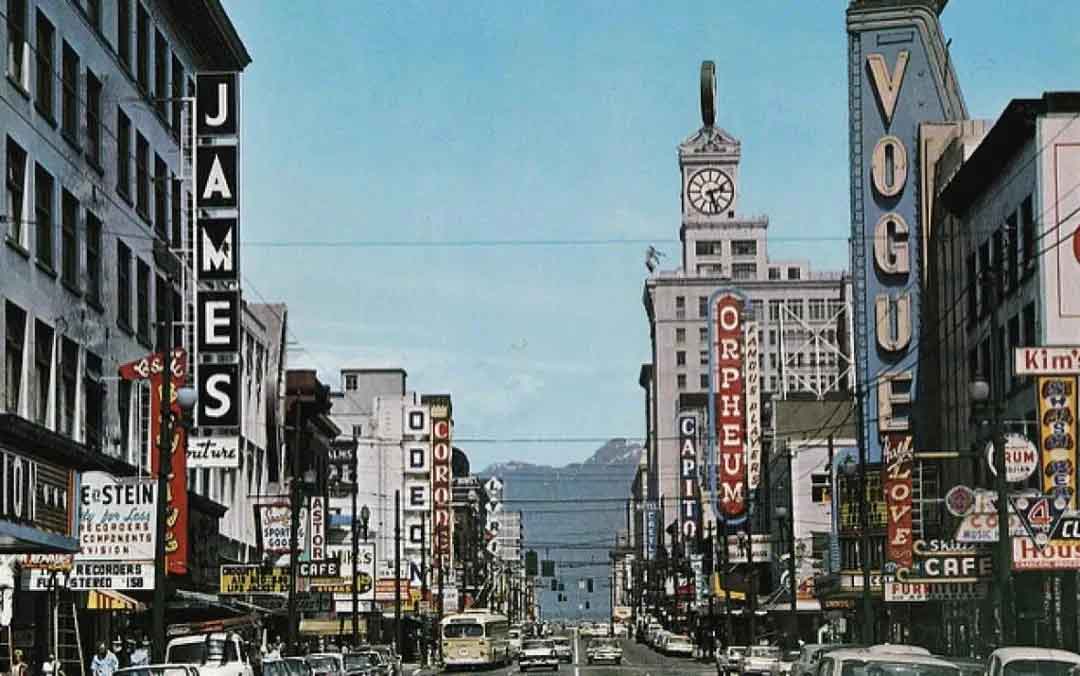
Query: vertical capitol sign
x,y
898,78
727,474
688,476
218,310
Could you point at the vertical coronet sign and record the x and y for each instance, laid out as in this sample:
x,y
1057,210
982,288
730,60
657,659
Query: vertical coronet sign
x,y
1057,435
899,458
752,356
218,309
688,477
897,81
727,474
441,475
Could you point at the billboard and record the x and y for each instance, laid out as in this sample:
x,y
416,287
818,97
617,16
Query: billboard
x,y
899,461
1057,435
751,359
727,475
688,477
898,79
117,518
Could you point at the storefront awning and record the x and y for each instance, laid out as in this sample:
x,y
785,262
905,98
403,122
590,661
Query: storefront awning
x,y
327,627
104,599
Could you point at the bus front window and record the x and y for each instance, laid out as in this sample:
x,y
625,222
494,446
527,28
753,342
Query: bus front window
x,y
463,631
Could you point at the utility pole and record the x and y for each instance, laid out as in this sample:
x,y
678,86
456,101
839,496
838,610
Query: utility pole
x,y
294,525
751,592
1003,569
399,637
729,634
423,587
355,546
709,577
165,335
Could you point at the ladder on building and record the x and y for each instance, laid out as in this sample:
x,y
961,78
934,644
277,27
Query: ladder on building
x,y
68,640
7,649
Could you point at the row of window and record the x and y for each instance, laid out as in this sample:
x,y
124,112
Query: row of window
x,y
1001,263
814,309
1021,329
739,247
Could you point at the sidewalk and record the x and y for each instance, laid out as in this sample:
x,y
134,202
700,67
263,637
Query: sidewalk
x,y
413,669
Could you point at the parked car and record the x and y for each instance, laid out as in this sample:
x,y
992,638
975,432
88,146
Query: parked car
x,y
729,660
968,667
763,660
621,630
810,655
889,662
214,654
1022,661
658,638
678,645
326,664
604,651
159,670
564,648
514,636
538,653
787,662
298,666
358,664
389,655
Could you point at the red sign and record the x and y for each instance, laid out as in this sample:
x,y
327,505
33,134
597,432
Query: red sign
x,y
151,368
729,413
899,460
441,455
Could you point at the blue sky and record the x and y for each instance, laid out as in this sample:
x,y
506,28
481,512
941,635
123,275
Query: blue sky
x,y
434,121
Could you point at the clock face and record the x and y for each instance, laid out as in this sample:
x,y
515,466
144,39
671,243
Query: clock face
x,y
710,191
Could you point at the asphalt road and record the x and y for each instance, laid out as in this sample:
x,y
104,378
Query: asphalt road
x,y
637,660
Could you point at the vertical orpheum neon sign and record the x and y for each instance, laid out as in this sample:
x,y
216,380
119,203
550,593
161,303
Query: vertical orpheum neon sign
x,y
727,476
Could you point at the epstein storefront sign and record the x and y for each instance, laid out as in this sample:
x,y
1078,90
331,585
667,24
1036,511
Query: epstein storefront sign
x,y
688,476
217,271
441,456
727,475
898,82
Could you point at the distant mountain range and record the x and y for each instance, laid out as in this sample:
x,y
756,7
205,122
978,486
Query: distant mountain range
x,y
571,515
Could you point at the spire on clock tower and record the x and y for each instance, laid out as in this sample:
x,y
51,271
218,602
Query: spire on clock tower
x,y
709,162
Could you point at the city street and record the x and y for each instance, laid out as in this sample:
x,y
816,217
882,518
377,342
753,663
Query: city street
x,y
637,659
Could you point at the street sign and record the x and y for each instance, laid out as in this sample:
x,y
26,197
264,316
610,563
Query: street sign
x,y
1021,458
1046,361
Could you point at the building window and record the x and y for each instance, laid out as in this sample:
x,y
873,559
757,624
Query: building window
x,y
67,387
177,205
69,240
971,290
142,176
708,248
704,381
15,335
161,75
123,32
703,334
817,309
177,95
774,274
680,358
357,431
93,119
350,383
772,360
93,259
772,336
983,279
123,286
680,336
17,46
757,308
703,307
1013,252
744,271
123,155
93,13
680,381
680,307
45,49
1014,342
774,310
161,197
142,48
16,193
744,247
43,214
1027,227
820,488
43,359
93,400
772,383
142,290
997,243
70,102
1031,328
704,358
795,307
794,273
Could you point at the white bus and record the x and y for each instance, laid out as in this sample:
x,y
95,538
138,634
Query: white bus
x,y
475,638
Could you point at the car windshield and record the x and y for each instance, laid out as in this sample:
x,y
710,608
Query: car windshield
x,y
887,668
537,645
562,641
197,653
736,652
154,671
464,630
606,643
1038,668
356,661
375,658
765,651
323,664
514,633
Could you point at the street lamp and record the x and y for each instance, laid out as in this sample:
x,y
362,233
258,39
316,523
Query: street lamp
x,y
850,468
783,515
981,392
365,518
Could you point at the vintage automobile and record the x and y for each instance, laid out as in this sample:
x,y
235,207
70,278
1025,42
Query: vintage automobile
x,y
729,660
761,660
538,653
604,651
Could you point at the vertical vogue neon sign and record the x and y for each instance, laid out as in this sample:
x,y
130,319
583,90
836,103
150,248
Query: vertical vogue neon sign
x,y
728,406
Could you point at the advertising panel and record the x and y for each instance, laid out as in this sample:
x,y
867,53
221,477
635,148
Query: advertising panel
x,y
977,510
441,476
1046,361
726,390
1056,555
273,521
213,452
40,572
737,549
1059,165
899,460
1057,437
254,579
688,476
120,575
35,492
908,592
364,568
116,518
384,589
1021,458
493,523
317,527
752,360
895,84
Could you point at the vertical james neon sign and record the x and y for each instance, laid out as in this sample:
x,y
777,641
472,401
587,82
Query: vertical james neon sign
x,y
727,477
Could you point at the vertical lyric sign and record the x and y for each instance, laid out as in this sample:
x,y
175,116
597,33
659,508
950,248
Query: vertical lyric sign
x,y
218,310
441,455
899,462
752,359
1057,435
688,475
726,390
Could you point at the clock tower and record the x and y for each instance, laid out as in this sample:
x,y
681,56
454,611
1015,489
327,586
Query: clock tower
x,y
709,163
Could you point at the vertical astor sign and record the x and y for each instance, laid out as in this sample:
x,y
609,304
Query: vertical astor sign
x,y
1057,435
729,409
688,475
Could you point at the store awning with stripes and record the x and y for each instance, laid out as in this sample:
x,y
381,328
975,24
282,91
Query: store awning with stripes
x,y
104,599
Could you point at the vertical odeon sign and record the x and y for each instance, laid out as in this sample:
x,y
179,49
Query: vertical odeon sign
x,y
897,81
727,462
216,221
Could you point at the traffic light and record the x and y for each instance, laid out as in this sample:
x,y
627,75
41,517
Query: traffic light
x,y
531,563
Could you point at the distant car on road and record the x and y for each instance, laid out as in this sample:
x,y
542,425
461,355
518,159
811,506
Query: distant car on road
x,y
1023,661
761,660
729,660
538,653
604,651
677,645
564,648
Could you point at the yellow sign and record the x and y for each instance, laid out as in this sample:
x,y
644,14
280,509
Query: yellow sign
x,y
254,580
1057,435
719,591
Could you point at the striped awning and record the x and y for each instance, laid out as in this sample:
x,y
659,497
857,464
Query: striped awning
x,y
104,599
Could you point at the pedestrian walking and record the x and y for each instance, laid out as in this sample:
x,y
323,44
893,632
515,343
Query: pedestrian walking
x,y
52,667
103,664
140,656
19,667
122,657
